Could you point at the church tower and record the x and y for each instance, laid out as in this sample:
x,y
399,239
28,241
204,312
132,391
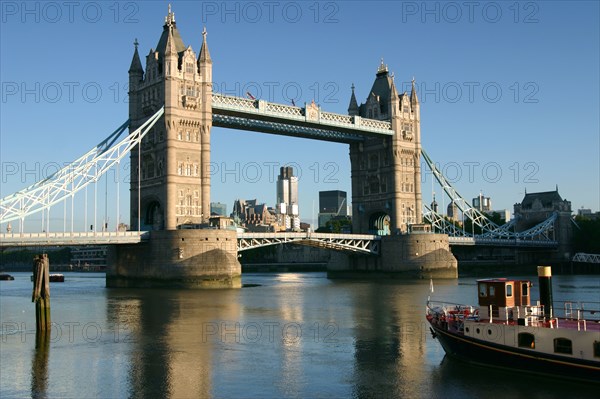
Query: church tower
x,y
386,173
174,163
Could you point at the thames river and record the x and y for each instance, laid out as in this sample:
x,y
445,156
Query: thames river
x,y
287,335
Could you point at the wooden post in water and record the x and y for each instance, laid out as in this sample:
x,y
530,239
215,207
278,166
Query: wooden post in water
x,y
41,292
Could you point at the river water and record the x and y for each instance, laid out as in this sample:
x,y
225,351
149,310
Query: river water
x,y
289,335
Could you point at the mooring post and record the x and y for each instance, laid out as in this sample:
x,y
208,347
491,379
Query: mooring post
x,y
41,291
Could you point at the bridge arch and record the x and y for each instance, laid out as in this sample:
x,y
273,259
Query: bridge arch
x,y
379,223
358,243
153,215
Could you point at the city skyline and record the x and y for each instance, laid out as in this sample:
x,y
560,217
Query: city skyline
x,y
506,102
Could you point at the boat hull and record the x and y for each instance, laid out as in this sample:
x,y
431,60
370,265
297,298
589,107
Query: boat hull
x,y
489,354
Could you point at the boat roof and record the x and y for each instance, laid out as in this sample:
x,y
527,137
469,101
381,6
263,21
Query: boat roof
x,y
499,280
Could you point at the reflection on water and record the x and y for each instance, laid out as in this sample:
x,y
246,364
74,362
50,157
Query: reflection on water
x,y
39,365
289,335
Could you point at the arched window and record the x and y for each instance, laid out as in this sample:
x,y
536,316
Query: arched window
x,y
563,345
526,340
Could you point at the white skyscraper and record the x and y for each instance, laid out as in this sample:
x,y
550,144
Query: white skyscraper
x,y
287,198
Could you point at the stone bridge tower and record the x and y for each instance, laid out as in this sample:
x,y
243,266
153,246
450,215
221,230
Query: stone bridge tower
x,y
386,173
386,192
175,154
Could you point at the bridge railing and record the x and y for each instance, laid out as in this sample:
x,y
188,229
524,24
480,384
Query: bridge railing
x,y
310,235
363,243
71,238
586,258
299,114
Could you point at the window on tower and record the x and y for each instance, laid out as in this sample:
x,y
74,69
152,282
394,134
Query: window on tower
x,y
383,184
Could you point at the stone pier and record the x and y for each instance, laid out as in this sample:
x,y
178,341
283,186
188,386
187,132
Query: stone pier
x,y
195,258
402,256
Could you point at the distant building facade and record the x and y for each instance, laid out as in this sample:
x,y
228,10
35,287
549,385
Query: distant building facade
x,y
504,214
588,214
452,212
288,213
332,204
482,203
537,207
89,258
254,216
218,208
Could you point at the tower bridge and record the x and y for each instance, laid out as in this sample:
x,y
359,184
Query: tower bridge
x,y
172,109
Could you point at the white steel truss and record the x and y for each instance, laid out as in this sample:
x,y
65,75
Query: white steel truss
x,y
361,243
75,176
586,258
543,231
308,116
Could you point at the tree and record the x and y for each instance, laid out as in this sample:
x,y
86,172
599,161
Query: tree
x,y
586,238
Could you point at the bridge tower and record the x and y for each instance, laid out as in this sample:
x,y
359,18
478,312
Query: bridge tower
x,y
175,155
386,191
386,173
173,166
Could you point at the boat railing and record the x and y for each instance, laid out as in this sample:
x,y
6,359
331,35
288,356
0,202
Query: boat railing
x,y
453,311
589,311
529,315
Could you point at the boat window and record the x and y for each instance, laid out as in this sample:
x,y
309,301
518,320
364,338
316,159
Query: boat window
x,y
563,345
492,290
525,289
526,340
482,290
508,290
596,348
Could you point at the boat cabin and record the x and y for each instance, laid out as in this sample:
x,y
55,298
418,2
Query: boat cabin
x,y
501,292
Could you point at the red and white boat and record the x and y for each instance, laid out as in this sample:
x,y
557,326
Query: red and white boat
x,y
506,331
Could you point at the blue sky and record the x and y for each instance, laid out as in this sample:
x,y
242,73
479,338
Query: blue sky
x,y
509,90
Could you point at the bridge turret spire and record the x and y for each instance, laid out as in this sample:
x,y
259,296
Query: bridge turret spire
x,y
170,46
136,76
170,55
413,93
394,100
136,63
414,101
204,53
170,18
383,68
353,107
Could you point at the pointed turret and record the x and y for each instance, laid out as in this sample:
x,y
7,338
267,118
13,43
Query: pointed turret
x,y
413,94
170,56
381,91
434,204
169,46
353,107
393,93
136,76
394,108
382,69
414,102
136,64
170,33
204,53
